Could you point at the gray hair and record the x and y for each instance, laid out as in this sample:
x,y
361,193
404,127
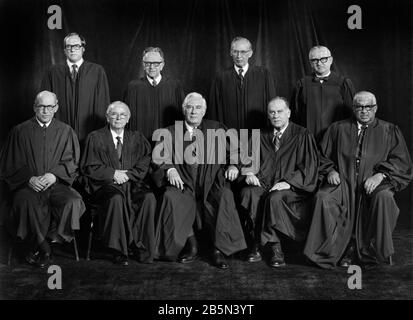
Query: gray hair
x,y
318,48
82,40
43,93
153,49
287,104
194,95
117,104
241,39
366,94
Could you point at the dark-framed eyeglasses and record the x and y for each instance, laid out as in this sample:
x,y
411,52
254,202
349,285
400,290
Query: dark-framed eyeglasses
x,y
154,64
48,108
189,107
74,47
241,52
116,115
366,107
322,60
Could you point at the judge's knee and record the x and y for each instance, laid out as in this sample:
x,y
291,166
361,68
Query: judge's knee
x,y
116,198
382,195
277,196
248,191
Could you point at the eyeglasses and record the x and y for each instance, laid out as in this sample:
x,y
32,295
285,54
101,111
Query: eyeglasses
x,y
197,107
116,115
367,107
240,52
153,64
322,60
75,47
47,108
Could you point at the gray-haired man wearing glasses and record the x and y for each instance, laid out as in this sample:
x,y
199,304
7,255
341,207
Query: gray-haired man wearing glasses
x,y
322,97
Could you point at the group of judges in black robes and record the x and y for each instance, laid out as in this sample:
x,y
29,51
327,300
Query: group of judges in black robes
x,y
328,184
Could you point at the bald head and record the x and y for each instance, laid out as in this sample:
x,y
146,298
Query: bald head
x,y
45,106
364,107
45,95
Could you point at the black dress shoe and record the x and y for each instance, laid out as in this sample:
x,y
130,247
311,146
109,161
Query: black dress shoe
x,y
44,260
218,260
190,253
32,258
348,258
277,257
120,259
254,255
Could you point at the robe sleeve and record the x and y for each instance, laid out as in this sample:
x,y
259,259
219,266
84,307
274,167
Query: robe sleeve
x,y
102,96
398,165
162,159
347,92
215,100
141,166
326,153
297,106
14,167
305,175
67,168
92,166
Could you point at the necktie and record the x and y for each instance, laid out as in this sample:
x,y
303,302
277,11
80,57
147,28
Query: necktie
x,y
154,83
74,72
277,140
320,79
119,147
241,77
360,141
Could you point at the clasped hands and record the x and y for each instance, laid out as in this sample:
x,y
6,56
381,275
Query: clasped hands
x,y
370,184
252,180
42,183
120,176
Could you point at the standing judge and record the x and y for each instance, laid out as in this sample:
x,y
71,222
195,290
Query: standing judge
x,y
322,97
155,100
276,200
39,163
81,88
239,95
365,161
114,165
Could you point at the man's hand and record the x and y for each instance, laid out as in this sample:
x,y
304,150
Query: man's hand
x,y
231,173
175,179
120,176
48,179
372,183
252,180
280,186
37,184
333,178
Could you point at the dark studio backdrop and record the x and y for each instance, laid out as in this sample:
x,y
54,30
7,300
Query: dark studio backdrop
x,y
195,36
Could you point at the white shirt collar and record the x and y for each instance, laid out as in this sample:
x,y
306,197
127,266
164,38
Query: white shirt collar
x,y
42,124
359,125
282,130
323,76
114,135
78,63
157,79
244,68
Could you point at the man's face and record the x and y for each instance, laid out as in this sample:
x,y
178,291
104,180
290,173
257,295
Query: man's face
x,y
278,113
152,64
118,117
240,53
194,111
74,49
45,108
321,67
364,108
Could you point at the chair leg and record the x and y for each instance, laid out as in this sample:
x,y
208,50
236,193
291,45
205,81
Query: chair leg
x,y
76,251
89,244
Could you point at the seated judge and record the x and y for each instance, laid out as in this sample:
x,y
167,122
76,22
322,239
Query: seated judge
x,y
364,162
197,195
39,163
156,96
114,165
276,199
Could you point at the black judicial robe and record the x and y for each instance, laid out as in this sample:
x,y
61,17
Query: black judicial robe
x,y
82,104
132,220
241,106
345,210
296,162
154,107
207,201
30,151
316,105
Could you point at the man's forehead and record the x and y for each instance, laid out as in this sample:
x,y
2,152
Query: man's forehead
x,y
195,101
119,108
364,99
276,105
73,40
46,99
152,56
241,44
318,53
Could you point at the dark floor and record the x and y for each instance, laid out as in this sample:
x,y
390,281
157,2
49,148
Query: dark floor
x,y
101,279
